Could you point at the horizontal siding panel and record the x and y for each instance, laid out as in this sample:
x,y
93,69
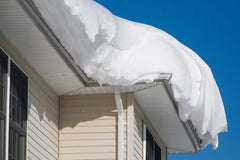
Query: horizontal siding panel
x,y
41,138
31,156
43,147
90,123
138,140
93,156
88,143
49,126
137,145
138,137
44,97
137,156
41,90
138,126
97,97
90,103
138,151
89,108
85,118
138,134
41,152
84,150
34,151
91,129
89,136
40,108
90,116
92,100
37,126
42,125
101,121
106,129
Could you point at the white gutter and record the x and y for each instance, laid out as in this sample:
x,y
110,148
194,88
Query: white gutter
x,y
119,104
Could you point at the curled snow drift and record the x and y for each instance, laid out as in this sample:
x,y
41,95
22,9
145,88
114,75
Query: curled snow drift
x,y
120,52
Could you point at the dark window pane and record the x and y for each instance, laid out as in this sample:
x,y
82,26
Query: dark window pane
x,y
2,139
18,97
153,151
1,97
3,74
157,152
3,80
17,144
10,150
149,145
18,113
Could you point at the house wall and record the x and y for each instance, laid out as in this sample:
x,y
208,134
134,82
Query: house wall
x,y
139,120
135,131
136,121
89,127
138,137
88,124
42,124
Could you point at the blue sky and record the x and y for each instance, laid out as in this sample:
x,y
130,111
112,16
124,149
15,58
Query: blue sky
x,y
212,29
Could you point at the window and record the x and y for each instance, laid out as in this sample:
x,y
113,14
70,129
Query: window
x,y
12,125
18,113
3,84
153,151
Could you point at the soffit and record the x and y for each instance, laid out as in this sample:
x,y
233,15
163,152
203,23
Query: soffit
x,y
21,32
159,108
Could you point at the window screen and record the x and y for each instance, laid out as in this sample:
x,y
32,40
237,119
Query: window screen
x,y
18,114
3,78
153,151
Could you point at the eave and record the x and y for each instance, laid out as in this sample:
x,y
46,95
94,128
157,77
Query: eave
x,y
84,85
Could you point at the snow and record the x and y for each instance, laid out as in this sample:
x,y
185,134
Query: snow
x,y
116,51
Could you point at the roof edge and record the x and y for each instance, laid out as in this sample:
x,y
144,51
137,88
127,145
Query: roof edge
x,y
188,126
34,14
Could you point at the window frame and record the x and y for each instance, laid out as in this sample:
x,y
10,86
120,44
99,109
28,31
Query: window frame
x,y
8,122
4,61
145,128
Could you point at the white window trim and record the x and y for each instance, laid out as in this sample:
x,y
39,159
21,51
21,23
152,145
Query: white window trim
x,y
145,142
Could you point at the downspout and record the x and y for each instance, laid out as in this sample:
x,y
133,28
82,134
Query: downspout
x,y
119,104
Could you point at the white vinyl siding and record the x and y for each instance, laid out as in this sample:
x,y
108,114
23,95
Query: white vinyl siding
x,y
138,137
89,128
138,134
42,124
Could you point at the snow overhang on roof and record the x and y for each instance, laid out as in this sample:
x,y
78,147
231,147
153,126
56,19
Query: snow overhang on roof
x,y
73,77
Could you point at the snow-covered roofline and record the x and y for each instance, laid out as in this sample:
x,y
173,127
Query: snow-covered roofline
x,y
116,51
